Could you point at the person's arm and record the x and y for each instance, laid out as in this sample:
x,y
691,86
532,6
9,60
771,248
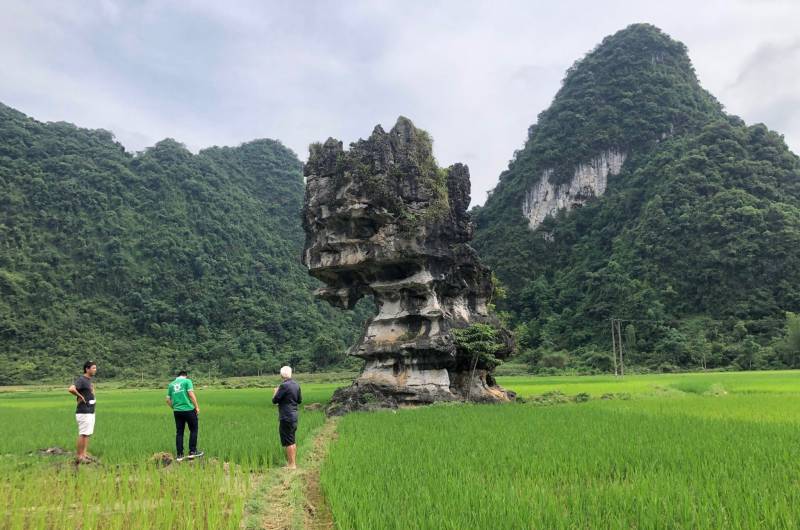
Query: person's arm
x,y
169,402
190,392
299,395
194,401
74,391
277,395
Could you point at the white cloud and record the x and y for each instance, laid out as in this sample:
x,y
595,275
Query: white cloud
x,y
475,74
764,92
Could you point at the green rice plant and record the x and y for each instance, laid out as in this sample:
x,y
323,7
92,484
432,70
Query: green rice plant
x,y
684,462
238,432
785,381
681,453
200,495
132,425
693,386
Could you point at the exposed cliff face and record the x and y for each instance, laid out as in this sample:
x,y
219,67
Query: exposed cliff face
x,y
694,225
589,181
633,94
383,220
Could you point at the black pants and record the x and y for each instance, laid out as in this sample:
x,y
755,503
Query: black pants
x,y
182,417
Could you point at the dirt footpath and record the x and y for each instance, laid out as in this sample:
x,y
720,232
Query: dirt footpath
x,y
292,499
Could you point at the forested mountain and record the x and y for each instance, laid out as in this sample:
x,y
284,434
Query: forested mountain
x,y
153,261
637,197
634,197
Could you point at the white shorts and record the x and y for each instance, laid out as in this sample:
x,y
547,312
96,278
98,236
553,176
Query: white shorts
x,y
85,424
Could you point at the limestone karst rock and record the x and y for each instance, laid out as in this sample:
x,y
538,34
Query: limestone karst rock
x,y
383,220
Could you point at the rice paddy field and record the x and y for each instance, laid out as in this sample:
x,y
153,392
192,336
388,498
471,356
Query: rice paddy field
x,y
713,450
238,432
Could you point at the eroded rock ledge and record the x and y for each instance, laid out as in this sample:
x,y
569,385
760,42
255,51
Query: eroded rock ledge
x,y
383,220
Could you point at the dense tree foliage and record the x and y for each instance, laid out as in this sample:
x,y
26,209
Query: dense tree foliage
x,y
153,261
696,242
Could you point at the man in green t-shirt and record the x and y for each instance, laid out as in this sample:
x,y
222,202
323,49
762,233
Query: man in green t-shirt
x,y
181,398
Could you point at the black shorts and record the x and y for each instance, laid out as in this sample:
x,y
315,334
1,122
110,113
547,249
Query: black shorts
x,y
287,430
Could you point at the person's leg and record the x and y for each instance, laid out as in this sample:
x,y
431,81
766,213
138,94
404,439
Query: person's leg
x,y
85,429
79,442
283,431
180,426
293,447
287,430
80,447
291,456
191,419
89,431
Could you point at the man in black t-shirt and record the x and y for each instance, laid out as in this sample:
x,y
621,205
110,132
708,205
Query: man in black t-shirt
x,y
83,390
287,396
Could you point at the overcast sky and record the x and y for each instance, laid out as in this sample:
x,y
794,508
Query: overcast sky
x,y
474,74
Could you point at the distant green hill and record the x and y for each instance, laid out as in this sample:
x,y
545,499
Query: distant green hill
x,y
153,261
636,196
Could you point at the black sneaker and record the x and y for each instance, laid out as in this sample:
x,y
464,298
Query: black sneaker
x,y
179,458
195,454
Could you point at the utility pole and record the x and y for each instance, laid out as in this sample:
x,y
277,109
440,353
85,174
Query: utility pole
x,y
614,347
619,339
